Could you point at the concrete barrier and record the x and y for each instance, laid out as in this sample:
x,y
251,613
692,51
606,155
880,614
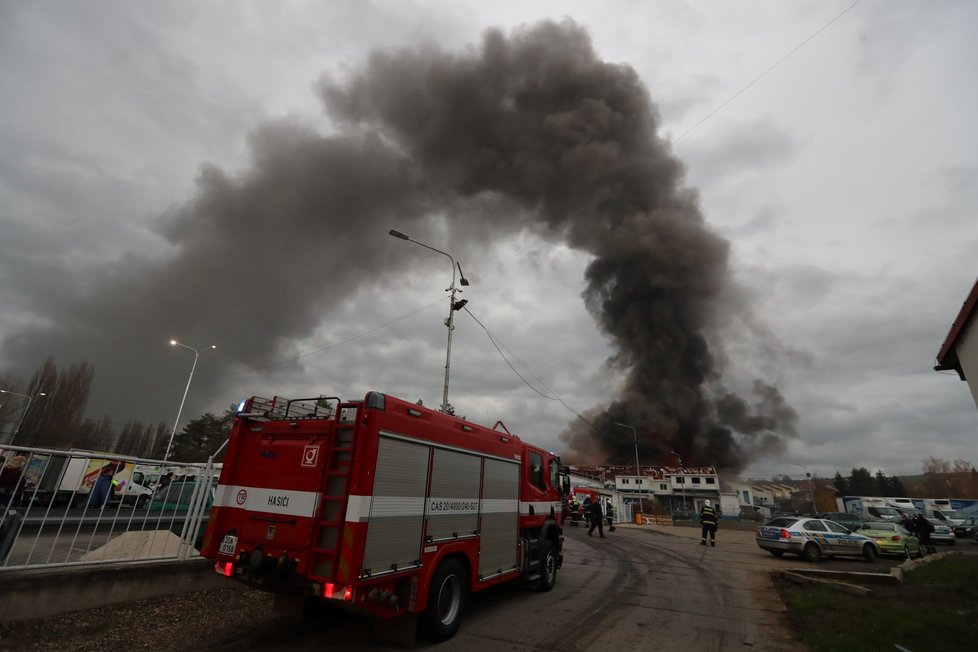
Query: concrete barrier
x,y
30,594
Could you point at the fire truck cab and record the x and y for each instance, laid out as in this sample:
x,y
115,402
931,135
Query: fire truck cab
x,y
383,506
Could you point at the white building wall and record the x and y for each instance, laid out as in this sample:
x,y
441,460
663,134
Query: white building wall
x,y
967,352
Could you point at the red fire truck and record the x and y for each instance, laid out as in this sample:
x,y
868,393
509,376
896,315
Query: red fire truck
x,y
383,506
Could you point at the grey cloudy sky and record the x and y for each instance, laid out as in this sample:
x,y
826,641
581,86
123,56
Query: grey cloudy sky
x,y
843,181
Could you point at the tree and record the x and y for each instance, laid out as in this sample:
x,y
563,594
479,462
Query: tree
x,y
943,479
841,484
882,484
201,437
897,488
449,409
55,419
861,482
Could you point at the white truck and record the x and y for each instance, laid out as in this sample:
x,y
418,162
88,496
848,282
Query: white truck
x,y
872,508
70,478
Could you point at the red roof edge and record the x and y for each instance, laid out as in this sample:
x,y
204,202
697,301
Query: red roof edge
x,y
947,357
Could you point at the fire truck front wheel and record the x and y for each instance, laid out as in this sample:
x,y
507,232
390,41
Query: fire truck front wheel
x,y
446,600
548,566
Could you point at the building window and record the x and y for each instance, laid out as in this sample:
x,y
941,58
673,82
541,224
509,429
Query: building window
x,y
638,481
663,487
624,480
696,480
711,481
680,480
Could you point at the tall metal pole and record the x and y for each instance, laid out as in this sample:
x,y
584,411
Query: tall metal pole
x,y
450,322
811,493
638,471
186,389
23,413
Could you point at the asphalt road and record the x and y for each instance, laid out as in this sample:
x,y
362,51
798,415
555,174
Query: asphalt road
x,y
641,588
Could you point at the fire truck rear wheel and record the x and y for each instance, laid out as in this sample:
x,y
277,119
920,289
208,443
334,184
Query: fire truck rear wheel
x,y
446,600
548,566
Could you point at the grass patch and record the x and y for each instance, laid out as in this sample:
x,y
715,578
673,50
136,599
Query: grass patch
x,y
936,610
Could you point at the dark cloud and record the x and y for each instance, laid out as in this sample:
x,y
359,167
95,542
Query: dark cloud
x,y
532,131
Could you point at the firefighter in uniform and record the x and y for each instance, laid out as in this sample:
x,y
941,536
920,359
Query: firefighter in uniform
x,y
596,518
708,518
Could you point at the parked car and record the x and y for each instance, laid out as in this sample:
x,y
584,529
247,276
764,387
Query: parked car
x,y
851,521
942,533
813,538
170,507
968,528
751,515
892,539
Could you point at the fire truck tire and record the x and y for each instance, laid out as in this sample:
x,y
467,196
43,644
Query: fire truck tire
x,y
446,600
548,566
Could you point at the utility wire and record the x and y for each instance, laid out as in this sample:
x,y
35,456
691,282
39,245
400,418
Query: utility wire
x,y
555,397
331,344
608,188
763,74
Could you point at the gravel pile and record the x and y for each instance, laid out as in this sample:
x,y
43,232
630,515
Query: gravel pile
x,y
224,619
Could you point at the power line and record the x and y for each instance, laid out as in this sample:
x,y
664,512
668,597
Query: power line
x,y
330,345
763,74
555,397
608,187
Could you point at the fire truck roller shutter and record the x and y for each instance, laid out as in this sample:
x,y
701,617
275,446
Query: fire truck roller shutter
x,y
396,518
453,504
500,517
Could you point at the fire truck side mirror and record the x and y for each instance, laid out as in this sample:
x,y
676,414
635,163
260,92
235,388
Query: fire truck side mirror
x,y
564,484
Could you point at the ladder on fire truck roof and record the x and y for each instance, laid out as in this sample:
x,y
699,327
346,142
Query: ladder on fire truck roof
x,y
269,409
326,563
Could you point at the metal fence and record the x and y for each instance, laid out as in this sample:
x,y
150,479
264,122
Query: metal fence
x,y
76,508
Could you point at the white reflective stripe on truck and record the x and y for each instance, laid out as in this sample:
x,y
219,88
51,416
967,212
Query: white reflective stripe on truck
x,y
540,507
262,499
359,509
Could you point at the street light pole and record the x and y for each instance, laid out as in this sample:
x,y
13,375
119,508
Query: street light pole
x,y
811,494
23,413
683,488
452,307
176,423
638,471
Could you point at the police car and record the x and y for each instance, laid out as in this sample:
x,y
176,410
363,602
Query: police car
x,y
813,538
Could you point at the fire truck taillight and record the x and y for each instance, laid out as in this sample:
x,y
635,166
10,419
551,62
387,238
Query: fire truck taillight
x,y
335,592
225,568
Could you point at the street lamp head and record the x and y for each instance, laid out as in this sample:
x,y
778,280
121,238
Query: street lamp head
x,y
213,346
173,342
398,234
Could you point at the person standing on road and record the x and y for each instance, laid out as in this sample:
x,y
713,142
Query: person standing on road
x,y
924,528
596,518
708,519
104,487
908,524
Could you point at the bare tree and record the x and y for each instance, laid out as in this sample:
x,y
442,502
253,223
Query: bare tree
x,y
53,419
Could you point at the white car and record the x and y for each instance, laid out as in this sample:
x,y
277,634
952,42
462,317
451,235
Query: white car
x,y
942,533
813,538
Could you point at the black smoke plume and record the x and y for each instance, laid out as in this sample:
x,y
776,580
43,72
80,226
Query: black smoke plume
x,y
530,131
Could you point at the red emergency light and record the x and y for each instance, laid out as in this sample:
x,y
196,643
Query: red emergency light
x,y
225,568
335,592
